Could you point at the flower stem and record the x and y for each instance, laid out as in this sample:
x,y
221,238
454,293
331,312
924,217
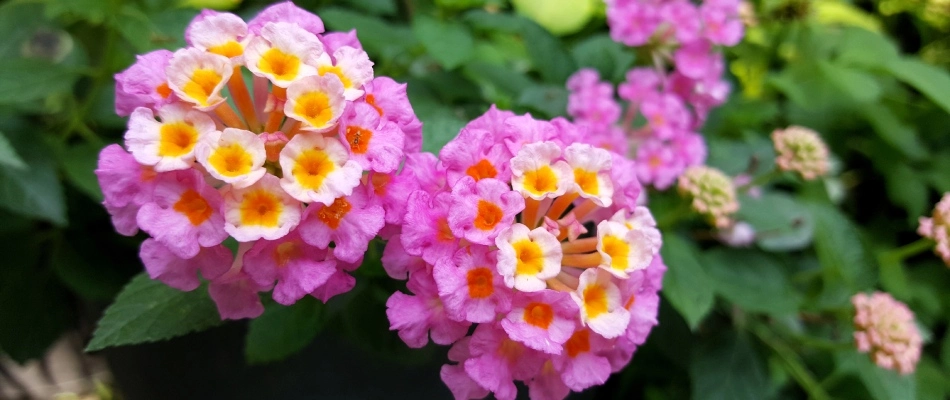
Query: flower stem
x,y
759,180
792,363
911,249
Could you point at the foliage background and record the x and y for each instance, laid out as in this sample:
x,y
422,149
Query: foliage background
x,y
772,321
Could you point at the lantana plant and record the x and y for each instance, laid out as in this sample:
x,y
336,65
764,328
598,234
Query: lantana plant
x,y
261,133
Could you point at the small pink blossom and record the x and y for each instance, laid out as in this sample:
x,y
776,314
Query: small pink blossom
x,y
470,288
298,268
184,214
416,317
886,329
182,274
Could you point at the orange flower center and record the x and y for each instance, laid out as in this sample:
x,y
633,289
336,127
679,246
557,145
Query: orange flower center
x,y
334,213
372,101
287,252
481,170
578,343
261,208
194,207
479,283
539,315
488,215
358,138
176,139
163,90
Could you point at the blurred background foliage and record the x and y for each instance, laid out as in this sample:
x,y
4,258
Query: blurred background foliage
x,y
768,322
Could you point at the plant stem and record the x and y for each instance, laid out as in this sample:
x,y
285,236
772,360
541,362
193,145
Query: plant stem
x,y
911,249
793,365
759,180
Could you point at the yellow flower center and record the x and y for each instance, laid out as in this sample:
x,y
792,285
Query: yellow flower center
x,y
312,168
230,49
281,65
261,208
202,85
587,181
335,70
231,160
314,107
530,260
540,181
176,139
595,301
618,250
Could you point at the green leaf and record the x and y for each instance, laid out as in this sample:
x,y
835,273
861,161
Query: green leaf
x,y
18,21
438,130
863,48
89,277
35,192
451,44
24,80
686,284
546,53
906,188
549,99
932,81
34,308
781,223
931,381
93,11
8,155
752,280
284,330
605,55
377,36
859,86
79,163
882,384
945,352
728,368
893,131
378,7
840,251
148,311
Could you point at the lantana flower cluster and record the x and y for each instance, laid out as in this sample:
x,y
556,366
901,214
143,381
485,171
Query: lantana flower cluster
x,y
712,194
525,250
937,228
800,150
664,108
280,167
885,328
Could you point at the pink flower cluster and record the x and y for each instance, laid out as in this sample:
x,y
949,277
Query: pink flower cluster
x,y
672,104
535,237
885,328
282,174
937,228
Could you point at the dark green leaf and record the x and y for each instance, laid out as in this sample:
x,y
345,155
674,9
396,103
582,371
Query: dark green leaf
x,y
35,192
449,43
23,79
840,250
686,284
754,281
781,223
945,352
34,308
549,99
906,188
931,381
932,81
88,278
8,155
93,11
729,369
860,47
148,311
859,86
439,129
602,53
893,131
546,53
882,384
284,330
377,36
18,20
378,7
78,164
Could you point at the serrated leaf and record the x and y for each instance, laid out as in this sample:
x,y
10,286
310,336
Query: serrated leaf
x,y
840,250
284,330
24,79
451,44
147,311
932,81
728,368
8,155
605,55
35,192
781,223
686,284
751,280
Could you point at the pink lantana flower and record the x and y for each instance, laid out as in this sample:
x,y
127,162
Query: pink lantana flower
x,y
184,214
286,11
526,258
600,304
423,314
468,286
497,361
350,222
375,143
144,84
298,267
170,144
543,321
426,232
483,209
181,273
474,155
